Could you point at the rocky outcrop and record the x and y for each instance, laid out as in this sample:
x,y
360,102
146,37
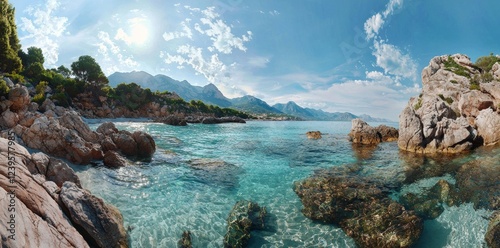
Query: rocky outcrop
x,y
37,217
456,112
101,223
362,209
313,135
173,120
493,233
138,144
113,159
19,98
243,218
364,134
215,120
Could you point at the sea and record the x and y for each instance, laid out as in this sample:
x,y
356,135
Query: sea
x,y
163,197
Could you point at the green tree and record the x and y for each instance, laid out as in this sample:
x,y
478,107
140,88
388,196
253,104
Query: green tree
x,y
88,70
64,71
9,42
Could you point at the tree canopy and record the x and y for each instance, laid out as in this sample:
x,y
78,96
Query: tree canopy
x,y
88,70
9,42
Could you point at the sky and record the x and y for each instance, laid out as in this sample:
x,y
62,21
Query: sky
x,y
361,56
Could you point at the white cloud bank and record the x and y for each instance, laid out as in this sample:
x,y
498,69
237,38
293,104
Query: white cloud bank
x,y
44,29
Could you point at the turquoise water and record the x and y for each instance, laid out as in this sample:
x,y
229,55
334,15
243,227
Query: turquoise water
x,y
162,198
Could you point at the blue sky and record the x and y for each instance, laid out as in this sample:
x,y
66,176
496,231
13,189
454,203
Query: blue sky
x,y
363,56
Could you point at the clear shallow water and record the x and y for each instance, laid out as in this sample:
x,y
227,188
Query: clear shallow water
x,y
162,198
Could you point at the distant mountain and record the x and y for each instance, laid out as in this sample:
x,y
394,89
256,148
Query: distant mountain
x,y
209,94
253,105
291,108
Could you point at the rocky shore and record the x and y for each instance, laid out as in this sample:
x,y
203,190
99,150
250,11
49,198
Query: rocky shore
x,y
47,206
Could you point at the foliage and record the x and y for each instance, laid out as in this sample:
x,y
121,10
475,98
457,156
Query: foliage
x,y
451,65
4,88
9,42
454,81
130,95
449,100
88,70
65,72
487,62
418,105
40,92
16,78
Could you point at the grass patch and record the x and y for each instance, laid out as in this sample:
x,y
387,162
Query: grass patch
x,y
451,65
448,100
454,81
418,105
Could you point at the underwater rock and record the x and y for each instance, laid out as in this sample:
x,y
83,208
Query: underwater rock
x,y
478,182
362,209
314,135
243,218
493,233
429,203
215,171
185,241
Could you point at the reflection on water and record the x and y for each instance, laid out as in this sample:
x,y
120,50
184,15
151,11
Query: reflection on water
x,y
162,198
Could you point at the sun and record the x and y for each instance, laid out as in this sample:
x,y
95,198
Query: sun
x,y
139,33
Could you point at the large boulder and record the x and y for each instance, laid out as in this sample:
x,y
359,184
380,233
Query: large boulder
x,y
487,123
364,134
145,143
113,159
20,99
102,223
454,105
313,135
361,208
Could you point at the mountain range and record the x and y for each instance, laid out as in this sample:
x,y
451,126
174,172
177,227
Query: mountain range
x,y
210,94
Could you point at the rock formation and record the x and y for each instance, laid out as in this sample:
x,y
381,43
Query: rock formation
x,y
313,135
362,133
457,110
243,218
37,214
361,208
185,241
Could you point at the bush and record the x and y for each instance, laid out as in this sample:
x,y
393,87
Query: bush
x,y
487,62
418,105
451,65
4,88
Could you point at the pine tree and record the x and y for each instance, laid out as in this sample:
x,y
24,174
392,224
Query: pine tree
x,y
9,42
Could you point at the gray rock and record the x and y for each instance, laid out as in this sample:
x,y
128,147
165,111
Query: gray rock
x,y
103,223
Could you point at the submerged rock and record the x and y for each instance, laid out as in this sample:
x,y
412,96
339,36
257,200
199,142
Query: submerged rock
x,y
493,233
478,182
243,218
362,209
185,241
429,203
215,171
313,135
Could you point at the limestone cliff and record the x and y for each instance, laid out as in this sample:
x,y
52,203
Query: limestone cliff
x,y
457,110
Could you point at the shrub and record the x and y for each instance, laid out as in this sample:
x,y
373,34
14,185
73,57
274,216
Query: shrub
x,y
454,81
451,65
4,88
418,105
39,98
487,62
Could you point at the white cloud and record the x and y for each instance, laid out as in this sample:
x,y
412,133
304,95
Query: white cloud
x,y
274,13
373,25
389,57
186,32
211,68
111,57
393,61
44,29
